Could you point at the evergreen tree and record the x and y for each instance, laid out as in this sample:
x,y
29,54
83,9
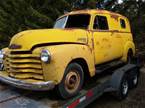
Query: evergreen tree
x,y
19,15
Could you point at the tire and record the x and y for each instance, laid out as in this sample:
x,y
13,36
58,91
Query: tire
x,y
133,82
72,81
130,57
122,92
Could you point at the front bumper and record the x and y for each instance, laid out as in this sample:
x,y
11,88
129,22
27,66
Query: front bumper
x,y
38,86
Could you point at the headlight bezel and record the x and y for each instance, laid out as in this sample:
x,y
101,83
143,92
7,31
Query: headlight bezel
x,y
1,59
45,56
1,55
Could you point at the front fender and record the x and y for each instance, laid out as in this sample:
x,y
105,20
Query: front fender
x,y
62,55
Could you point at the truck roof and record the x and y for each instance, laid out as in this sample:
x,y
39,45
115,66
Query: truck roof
x,y
93,11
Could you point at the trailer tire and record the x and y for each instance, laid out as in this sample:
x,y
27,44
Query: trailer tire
x,y
133,82
72,81
122,92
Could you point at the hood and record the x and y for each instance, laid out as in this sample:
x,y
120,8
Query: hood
x,y
31,38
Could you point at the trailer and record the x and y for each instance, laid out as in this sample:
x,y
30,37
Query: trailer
x,y
118,81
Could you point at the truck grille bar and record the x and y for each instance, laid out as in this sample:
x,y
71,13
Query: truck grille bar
x,y
23,66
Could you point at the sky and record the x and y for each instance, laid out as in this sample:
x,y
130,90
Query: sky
x,y
120,1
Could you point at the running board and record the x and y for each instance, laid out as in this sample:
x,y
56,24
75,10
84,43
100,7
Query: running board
x,y
108,66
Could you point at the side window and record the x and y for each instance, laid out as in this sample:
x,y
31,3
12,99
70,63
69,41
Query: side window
x,y
122,23
101,23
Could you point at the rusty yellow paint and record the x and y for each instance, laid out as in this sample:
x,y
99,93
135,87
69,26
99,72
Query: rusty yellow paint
x,y
92,45
45,36
62,56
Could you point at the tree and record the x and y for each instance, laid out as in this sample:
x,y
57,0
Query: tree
x,y
19,15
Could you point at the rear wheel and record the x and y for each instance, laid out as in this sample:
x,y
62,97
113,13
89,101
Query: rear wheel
x,y
72,81
130,57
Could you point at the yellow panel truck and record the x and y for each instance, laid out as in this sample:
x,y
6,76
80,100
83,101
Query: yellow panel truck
x,y
81,45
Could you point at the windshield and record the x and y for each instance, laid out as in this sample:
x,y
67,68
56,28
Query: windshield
x,y
73,21
61,22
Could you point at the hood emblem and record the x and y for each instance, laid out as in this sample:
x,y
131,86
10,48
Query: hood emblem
x,y
15,46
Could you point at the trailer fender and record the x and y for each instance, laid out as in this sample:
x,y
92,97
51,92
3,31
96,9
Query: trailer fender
x,y
115,81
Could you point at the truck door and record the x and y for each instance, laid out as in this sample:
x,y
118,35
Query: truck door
x,y
102,40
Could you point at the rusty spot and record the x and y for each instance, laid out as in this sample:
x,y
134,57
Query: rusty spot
x,y
105,55
97,43
114,16
100,11
104,39
114,31
109,46
89,31
92,43
118,36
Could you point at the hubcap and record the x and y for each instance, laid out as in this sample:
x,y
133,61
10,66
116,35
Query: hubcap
x,y
125,87
72,81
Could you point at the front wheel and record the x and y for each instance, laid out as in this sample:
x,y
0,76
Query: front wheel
x,y
72,81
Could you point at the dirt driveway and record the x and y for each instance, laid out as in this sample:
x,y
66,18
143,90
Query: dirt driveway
x,y
135,99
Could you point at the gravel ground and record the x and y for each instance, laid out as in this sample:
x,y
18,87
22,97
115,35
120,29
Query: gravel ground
x,y
135,99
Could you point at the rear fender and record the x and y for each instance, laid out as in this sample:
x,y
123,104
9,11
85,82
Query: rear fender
x,y
128,45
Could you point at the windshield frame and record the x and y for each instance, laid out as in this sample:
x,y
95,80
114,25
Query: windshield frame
x,y
72,15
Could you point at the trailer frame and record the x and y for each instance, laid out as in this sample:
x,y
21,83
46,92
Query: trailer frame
x,y
94,89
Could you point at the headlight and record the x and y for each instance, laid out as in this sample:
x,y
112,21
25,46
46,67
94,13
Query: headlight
x,y
45,56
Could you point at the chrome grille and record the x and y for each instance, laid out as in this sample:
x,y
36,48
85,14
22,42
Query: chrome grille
x,y
23,66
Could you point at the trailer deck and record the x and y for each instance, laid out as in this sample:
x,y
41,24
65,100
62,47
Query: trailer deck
x,y
17,98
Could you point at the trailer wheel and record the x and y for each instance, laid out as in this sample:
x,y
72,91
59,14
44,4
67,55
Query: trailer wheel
x,y
122,92
72,81
133,82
